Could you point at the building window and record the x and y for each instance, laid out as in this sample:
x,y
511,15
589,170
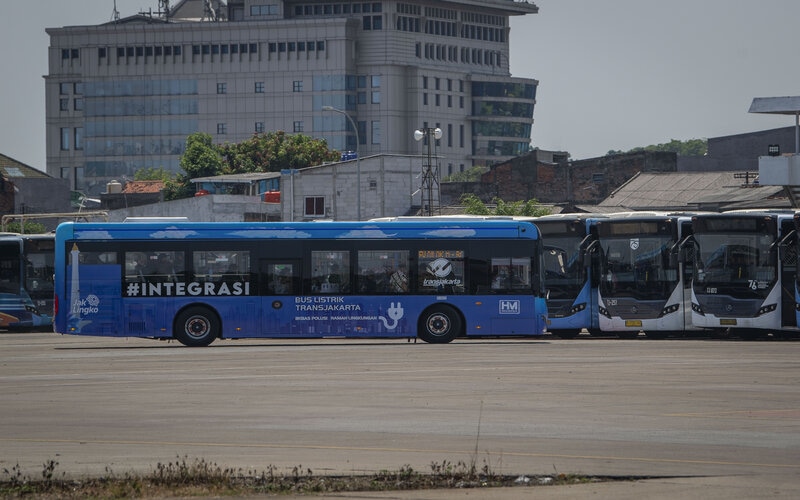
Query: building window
x,y
424,82
315,206
450,135
438,99
222,88
64,53
297,86
376,132
425,99
64,88
63,104
101,52
78,104
298,126
376,81
259,87
598,178
65,132
259,127
78,138
376,97
222,128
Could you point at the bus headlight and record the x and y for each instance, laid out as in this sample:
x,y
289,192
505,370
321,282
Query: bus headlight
x,y
669,310
604,312
767,309
696,308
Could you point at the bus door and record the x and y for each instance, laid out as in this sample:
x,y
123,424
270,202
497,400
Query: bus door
x,y
279,282
787,249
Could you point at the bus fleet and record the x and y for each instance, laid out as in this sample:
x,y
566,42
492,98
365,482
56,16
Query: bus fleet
x,y
437,279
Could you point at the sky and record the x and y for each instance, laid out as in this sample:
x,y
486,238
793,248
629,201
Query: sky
x,y
613,75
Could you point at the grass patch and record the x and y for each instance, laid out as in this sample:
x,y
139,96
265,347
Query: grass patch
x,y
198,477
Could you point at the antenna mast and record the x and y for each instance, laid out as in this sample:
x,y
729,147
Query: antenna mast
x,y
115,12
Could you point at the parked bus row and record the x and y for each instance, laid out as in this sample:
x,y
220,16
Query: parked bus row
x,y
672,274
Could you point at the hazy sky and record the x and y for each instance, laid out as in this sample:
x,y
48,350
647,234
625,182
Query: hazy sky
x,y
613,74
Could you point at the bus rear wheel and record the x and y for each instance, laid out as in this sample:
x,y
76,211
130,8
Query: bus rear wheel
x,y
439,325
196,327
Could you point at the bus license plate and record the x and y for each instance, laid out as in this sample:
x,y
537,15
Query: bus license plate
x,y
728,322
633,322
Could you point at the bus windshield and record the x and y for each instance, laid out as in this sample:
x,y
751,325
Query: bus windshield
x,y
564,273
726,261
637,266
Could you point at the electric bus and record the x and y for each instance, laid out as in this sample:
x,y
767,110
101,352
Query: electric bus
x,y
196,282
745,273
644,279
26,281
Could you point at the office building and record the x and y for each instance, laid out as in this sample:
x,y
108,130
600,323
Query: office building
x,y
125,94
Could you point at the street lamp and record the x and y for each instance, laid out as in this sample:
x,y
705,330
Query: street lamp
x,y
428,174
358,158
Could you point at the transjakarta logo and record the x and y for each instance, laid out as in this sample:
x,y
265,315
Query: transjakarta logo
x,y
441,269
192,289
89,305
509,307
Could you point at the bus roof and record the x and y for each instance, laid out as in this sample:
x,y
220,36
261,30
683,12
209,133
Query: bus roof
x,y
437,229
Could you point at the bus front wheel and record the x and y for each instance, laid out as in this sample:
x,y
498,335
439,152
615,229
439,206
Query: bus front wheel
x,y
196,327
439,325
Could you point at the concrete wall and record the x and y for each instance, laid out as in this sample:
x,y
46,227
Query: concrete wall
x,y
389,187
209,208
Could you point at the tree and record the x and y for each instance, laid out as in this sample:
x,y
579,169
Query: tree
x,y
270,152
692,147
30,227
153,174
472,174
474,206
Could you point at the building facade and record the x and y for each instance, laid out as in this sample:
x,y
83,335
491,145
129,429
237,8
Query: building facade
x,y
124,95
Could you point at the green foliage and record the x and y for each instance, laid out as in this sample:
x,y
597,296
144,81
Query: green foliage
x,y
153,174
30,227
692,147
474,206
472,174
270,152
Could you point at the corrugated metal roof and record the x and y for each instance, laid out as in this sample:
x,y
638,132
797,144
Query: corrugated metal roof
x,y
675,191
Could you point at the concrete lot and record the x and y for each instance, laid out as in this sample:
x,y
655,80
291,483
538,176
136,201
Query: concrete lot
x,y
696,414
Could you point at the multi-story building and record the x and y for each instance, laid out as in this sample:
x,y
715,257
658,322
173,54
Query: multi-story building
x,y
124,95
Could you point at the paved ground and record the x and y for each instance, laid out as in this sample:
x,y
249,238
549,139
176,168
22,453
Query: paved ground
x,y
708,419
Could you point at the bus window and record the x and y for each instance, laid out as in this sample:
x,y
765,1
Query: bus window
x,y
281,278
440,271
511,273
330,271
216,266
382,271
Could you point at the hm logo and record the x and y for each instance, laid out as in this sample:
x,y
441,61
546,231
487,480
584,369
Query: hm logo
x,y
509,307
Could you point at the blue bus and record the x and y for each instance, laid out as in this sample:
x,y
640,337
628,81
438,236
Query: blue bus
x,y
196,282
645,275
570,278
745,273
26,281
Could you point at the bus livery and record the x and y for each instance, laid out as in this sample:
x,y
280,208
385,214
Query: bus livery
x,y
196,282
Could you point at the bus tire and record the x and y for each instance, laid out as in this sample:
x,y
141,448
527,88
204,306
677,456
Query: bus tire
x,y
439,324
196,326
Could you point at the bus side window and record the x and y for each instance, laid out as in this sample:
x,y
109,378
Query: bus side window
x,y
330,272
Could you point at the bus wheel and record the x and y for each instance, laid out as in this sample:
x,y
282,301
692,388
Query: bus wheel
x,y
566,334
196,327
439,324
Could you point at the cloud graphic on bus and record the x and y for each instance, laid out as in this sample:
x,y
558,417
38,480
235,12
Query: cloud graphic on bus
x,y
368,233
269,233
173,234
95,235
451,233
